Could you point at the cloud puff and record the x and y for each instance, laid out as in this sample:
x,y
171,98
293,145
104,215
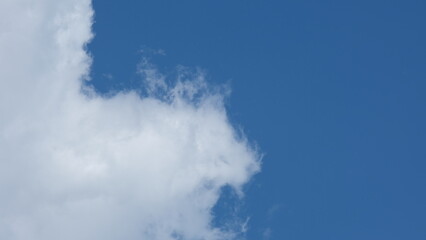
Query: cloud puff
x,y
76,165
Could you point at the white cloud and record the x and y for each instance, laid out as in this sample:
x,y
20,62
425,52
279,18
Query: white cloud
x,y
81,166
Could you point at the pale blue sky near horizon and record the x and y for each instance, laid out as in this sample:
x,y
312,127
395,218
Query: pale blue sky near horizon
x,y
332,92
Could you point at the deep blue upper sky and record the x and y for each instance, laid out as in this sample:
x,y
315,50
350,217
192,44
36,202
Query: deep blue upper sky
x,y
333,92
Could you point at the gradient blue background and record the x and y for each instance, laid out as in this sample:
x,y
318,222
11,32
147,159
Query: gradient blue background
x,y
333,92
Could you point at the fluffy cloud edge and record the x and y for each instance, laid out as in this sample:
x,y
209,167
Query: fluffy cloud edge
x,y
76,165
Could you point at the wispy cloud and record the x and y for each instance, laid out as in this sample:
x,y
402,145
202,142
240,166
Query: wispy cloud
x,y
77,165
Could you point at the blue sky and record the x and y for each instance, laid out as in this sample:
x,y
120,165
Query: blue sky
x,y
330,94
333,93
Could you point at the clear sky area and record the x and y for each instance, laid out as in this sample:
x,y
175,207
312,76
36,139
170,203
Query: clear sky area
x,y
332,93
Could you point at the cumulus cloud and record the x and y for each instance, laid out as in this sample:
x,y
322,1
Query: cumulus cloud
x,y
76,165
